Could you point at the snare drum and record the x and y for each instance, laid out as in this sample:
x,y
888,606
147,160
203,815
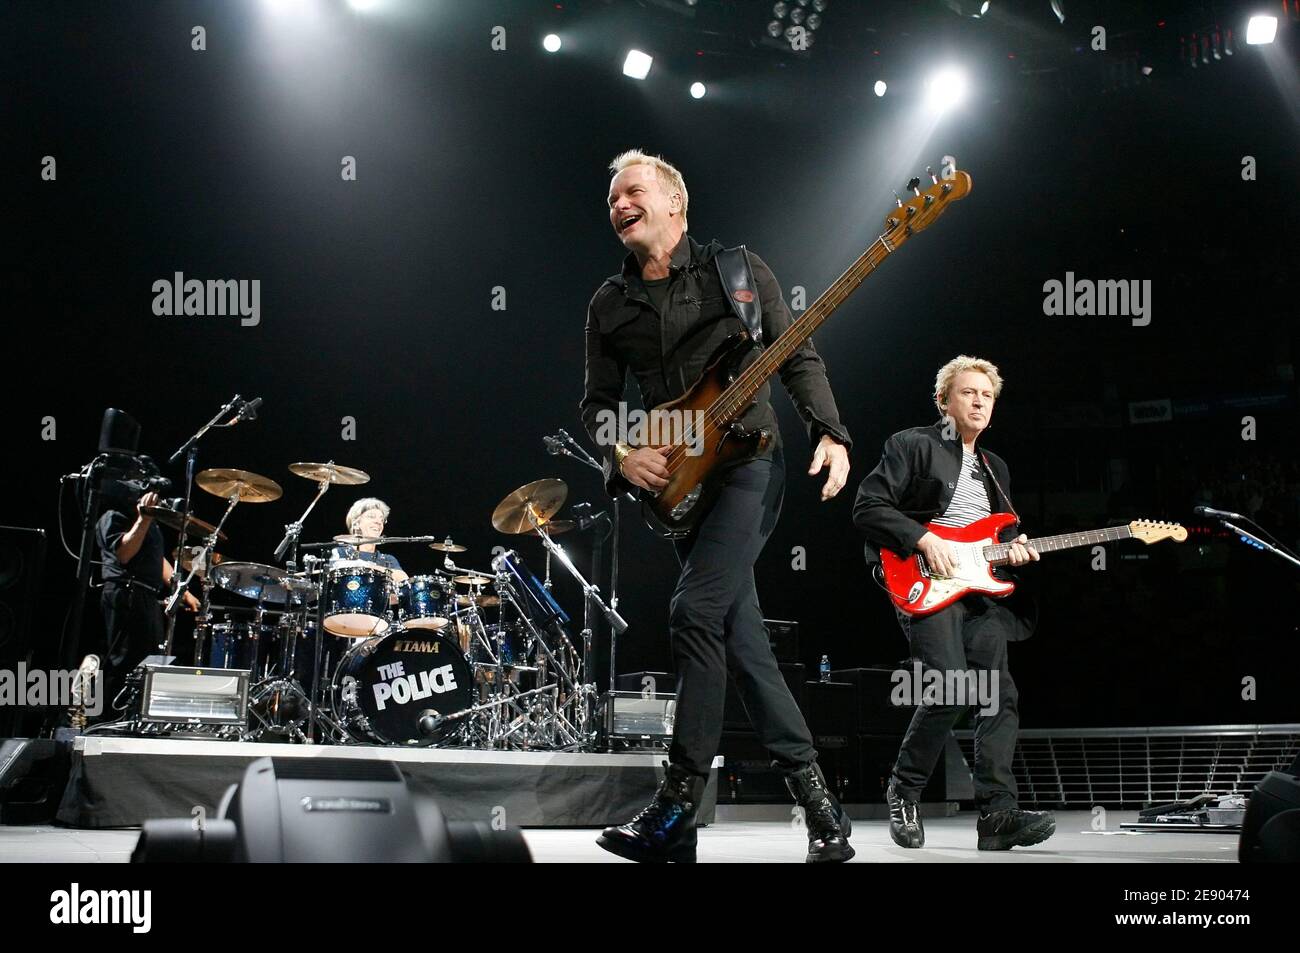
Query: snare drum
x,y
356,597
422,603
384,686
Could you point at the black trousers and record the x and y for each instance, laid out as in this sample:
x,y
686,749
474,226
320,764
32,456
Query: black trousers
x,y
970,634
133,620
715,624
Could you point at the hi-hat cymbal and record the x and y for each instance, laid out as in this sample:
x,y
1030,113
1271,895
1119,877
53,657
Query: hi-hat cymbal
x,y
330,473
172,520
485,602
554,528
543,498
447,546
253,580
472,580
250,487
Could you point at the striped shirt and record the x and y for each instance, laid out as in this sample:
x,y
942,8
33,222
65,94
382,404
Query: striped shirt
x,y
970,500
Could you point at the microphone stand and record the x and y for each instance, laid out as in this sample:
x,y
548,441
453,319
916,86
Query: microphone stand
x,y
190,450
1253,540
569,447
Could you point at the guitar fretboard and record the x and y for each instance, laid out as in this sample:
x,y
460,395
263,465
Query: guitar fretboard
x,y
996,554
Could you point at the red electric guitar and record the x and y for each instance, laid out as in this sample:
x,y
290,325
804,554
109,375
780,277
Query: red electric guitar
x,y
918,591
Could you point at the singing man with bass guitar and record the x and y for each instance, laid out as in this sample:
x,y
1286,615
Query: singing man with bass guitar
x,y
675,305
935,475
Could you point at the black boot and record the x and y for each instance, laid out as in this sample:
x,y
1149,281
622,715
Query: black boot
x,y
1003,830
905,825
665,830
828,841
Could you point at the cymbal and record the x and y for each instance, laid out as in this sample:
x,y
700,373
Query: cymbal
x,y
251,487
350,540
330,473
447,546
253,580
472,580
554,528
486,602
172,520
542,497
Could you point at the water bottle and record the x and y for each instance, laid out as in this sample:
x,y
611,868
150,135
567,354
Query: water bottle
x,y
824,669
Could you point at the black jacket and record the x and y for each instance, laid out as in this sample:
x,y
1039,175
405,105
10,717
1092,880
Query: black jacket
x,y
668,353
914,483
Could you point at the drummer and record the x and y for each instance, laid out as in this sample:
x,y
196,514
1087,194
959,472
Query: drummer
x,y
367,517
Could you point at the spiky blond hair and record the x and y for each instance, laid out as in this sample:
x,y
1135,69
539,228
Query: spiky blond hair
x,y
963,362
669,178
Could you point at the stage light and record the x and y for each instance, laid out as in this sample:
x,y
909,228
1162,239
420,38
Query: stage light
x,y
946,89
814,20
637,65
984,7
1058,7
819,5
774,29
1261,30
797,15
880,87
1146,71
780,9
698,90
551,43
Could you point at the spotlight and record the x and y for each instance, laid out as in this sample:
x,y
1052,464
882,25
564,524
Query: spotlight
x,y
1058,7
698,90
984,7
814,20
819,5
774,29
946,89
1261,30
551,43
637,65
1146,71
880,87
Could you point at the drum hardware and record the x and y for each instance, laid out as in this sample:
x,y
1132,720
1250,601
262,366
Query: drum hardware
x,y
561,444
242,410
172,519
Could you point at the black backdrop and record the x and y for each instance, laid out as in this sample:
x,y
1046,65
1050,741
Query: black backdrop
x,y
480,168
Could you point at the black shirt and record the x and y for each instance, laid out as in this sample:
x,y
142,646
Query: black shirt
x,y
146,567
351,552
667,346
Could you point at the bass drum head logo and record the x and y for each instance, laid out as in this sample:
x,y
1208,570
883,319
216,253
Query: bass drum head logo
x,y
743,295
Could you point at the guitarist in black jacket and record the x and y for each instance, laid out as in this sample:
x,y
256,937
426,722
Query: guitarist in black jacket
x,y
935,474
661,318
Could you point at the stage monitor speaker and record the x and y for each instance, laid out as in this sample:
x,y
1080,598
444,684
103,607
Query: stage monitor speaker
x,y
22,559
1271,831
734,715
327,810
33,774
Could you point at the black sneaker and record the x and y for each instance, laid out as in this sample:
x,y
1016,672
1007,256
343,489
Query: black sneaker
x,y
1003,830
905,825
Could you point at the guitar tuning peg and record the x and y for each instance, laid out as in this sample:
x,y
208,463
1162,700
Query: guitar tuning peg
x,y
933,178
914,185
898,200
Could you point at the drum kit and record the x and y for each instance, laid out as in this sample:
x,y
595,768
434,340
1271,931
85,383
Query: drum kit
x,y
344,650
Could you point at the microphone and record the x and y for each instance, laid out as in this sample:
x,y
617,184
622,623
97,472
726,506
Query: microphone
x,y
430,721
247,411
1217,514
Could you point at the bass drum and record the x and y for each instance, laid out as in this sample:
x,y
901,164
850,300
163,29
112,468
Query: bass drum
x,y
385,685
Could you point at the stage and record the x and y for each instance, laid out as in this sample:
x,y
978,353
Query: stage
x,y
122,782
733,839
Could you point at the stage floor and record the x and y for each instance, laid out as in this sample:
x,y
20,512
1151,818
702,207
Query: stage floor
x,y
948,840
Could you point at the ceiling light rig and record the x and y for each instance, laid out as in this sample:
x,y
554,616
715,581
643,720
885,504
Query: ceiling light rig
x,y
793,24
